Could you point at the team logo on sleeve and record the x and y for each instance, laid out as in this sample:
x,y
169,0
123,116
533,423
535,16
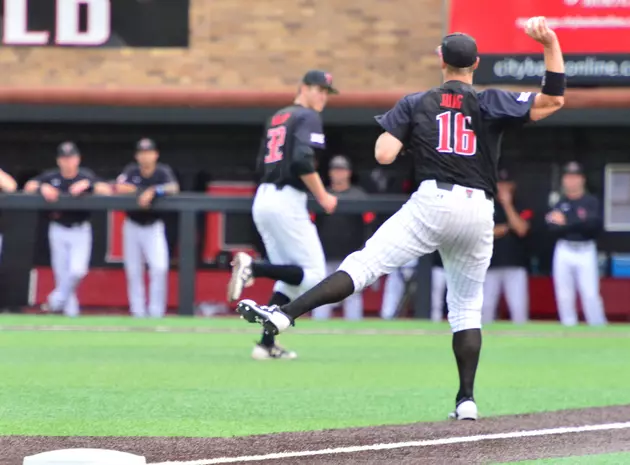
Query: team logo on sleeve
x,y
318,138
524,97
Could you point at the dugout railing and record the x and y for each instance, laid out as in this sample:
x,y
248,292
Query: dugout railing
x,y
188,206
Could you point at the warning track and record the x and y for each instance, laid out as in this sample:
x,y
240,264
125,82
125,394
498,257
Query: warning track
x,y
491,440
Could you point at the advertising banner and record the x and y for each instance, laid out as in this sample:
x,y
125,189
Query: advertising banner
x,y
594,34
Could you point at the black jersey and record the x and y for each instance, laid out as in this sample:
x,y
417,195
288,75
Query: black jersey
x,y
453,132
285,133
163,174
583,219
55,179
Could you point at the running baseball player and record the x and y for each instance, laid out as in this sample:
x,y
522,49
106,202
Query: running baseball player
x,y
69,232
508,267
453,134
287,161
576,221
144,239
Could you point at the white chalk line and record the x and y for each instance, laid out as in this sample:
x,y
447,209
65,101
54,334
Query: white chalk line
x,y
402,445
312,332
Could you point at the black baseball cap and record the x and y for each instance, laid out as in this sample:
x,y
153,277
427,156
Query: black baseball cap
x,y
145,144
459,50
572,167
323,79
340,162
67,149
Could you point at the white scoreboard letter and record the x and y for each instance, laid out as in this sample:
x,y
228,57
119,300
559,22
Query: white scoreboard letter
x,y
98,28
16,25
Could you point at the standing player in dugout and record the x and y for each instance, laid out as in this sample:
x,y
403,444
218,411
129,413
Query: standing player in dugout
x,y
453,133
287,161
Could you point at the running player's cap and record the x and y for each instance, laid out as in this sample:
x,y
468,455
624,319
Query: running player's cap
x,y
145,144
320,78
67,149
459,50
572,168
340,162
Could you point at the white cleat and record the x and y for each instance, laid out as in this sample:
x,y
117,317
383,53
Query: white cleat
x,y
261,352
271,318
465,410
242,276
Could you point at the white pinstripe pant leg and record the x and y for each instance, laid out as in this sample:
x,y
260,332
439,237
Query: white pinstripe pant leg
x,y
466,251
410,233
289,236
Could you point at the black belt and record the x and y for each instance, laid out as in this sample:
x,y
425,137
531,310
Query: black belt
x,y
69,225
144,222
446,186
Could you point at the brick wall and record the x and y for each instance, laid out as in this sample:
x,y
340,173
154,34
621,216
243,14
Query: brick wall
x,y
266,45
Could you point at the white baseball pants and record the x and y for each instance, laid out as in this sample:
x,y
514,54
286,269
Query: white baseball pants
x,y
70,251
513,281
575,265
289,235
459,223
146,244
352,306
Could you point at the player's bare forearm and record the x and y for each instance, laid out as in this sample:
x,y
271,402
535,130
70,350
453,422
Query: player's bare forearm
x,y
124,188
314,184
544,104
7,183
387,148
171,188
31,186
515,222
102,188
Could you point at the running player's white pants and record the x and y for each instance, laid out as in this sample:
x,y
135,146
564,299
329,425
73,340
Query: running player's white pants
x,y
70,251
146,244
289,235
352,306
575,264
458,223
513,281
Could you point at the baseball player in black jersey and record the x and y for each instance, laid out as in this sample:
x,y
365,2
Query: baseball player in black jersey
x,y
144,236
287,162
69,232
453,133
576,221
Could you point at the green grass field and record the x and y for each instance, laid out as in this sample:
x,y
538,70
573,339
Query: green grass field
x,y
604,459
205,384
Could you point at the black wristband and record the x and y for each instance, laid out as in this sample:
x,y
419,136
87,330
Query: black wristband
x,y
554,84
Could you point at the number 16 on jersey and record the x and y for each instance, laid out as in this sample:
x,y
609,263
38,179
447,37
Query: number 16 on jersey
x,y
454,136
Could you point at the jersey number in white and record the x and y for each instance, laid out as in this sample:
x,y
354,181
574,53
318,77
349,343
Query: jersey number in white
x,y
455,137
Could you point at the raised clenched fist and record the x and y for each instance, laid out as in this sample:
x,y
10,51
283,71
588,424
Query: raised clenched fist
x,y
538,30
